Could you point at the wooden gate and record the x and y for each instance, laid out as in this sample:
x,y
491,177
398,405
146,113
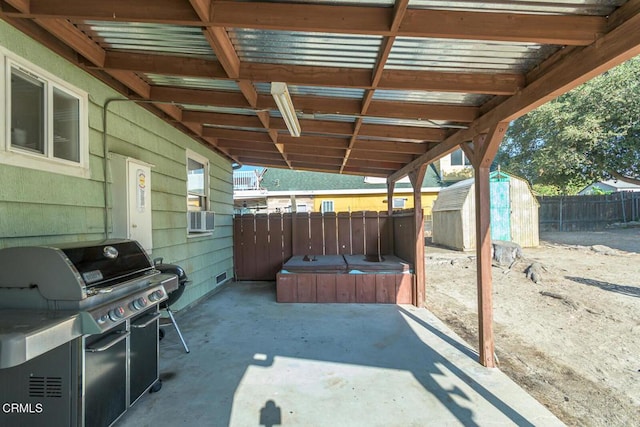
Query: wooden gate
x,y
262,243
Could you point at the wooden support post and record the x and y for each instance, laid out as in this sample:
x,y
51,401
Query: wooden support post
x,y
416,177
391,185
482,153
390,188
484,279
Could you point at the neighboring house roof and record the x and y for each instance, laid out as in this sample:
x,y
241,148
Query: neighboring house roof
x,y
610,185
288,181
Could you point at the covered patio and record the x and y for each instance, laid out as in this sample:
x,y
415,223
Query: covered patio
x,y
380,88
256,362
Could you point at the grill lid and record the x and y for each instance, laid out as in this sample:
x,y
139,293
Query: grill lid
x,y
66,272
107,261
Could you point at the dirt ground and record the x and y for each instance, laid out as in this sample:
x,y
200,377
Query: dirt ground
x,y
572,339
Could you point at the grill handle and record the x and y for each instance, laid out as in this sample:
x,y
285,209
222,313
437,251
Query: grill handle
x,y
120,336
147,323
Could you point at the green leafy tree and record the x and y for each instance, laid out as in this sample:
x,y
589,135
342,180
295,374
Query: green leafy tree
x,y
588,134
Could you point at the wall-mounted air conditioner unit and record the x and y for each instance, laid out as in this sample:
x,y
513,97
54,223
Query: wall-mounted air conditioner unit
x,y
200,221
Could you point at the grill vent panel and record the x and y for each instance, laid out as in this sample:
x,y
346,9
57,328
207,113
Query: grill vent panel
x,y
45,387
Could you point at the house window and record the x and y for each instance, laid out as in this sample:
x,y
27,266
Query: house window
x,y
46,123
458,158
197,182
327,206
299,208
399,203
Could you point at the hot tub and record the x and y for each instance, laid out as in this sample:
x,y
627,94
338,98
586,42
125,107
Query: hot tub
x,y
345,279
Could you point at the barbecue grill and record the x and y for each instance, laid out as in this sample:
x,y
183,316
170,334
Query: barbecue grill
x,y
172,297
78,331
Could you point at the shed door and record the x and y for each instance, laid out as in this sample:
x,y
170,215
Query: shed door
x,y
500,211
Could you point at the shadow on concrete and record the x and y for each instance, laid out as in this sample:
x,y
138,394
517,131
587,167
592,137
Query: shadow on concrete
x,y
270,414
241,338
632,291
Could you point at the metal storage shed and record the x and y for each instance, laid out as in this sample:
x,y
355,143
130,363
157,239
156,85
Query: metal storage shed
x,y
514,213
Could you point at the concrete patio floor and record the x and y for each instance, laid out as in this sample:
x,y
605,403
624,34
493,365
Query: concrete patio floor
x,y
255,362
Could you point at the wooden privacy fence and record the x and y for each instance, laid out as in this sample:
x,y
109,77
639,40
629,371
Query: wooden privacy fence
x,y
585,213
263,242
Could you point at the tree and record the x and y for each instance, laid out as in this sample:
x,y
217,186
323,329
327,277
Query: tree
x,y
588,134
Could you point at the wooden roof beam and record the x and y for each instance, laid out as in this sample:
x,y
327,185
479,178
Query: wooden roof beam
x,y
350,170
552,29
165,64
414,133
318,151
483,83
206,117
549,29
480,83
275,155
258,161
380,155
199,96
389,109
329,161
262,146
418,111
399,9
391,147
155,11
545,29
239,135
314,167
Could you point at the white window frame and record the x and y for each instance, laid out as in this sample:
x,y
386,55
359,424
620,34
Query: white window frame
x,y
465,160
328,203
206,178
17,156
397,201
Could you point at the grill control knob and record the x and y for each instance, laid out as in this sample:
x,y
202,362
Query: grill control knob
x,y
156,296
138,304
116,314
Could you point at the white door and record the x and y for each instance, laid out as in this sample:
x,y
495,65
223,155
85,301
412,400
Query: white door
x,y
139,203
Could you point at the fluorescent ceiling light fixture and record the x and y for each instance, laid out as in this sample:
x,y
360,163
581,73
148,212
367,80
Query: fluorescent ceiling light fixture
x,y
281,95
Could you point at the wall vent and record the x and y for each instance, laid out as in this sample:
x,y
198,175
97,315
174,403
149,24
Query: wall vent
x,y
221,277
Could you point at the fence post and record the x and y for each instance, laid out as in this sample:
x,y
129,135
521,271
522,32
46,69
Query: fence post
x,y
624,213
560,225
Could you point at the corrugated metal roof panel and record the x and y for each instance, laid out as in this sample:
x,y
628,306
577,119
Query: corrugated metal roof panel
x,y
325,117
382,138
414,123
334,117
155,38
213,109
412,53
192,82
305,48
565,7
252,129
334,92
573,7
430,97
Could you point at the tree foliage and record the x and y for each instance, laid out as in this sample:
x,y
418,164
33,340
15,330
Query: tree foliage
x,y
588,134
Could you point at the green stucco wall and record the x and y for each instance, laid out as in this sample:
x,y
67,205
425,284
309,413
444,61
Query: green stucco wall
x,y
43,208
